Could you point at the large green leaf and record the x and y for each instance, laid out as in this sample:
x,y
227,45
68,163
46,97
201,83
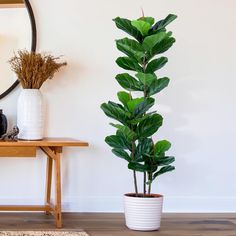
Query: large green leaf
x,y
132,104
156,64
124,97
163,23
158,85
131,48
149,126
115,111
163,170
128,82
148,19
166,160
143,107
125,131
142,26
117,141
150,41
144,148
152,167
162,146
138,167
146,79
140,118
161,47
125,25
122,154
128,64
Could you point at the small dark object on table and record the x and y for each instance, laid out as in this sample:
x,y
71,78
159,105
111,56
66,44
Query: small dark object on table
x,y
11,135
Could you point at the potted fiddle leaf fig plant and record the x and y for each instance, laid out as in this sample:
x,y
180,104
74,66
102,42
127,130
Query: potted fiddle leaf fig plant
x,y
136,121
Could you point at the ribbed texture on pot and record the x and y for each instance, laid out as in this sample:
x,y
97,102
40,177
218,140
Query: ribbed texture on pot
x,y
143,214
30,114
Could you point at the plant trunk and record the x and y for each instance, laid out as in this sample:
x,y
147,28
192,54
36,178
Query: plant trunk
x,y
144,184
135,183
149,188
150,182
134,172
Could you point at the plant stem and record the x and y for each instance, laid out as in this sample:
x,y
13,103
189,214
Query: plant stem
x,y
134,172
145,96
151,172
135,183
150,182
144,184
149,189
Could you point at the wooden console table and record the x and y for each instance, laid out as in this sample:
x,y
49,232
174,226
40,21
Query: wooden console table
x,y
52,147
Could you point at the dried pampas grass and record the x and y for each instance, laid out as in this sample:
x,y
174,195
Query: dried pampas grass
x,y
33,69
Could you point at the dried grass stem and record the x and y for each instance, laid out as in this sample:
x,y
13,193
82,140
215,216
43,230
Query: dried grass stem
x,y
33,69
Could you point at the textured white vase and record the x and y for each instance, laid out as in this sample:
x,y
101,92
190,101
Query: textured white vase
x,y
30,114
143,214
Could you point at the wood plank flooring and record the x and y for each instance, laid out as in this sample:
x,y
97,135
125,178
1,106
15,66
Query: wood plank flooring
x,y
108,224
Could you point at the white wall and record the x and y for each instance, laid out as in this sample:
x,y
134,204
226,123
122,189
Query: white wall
x,y
198,106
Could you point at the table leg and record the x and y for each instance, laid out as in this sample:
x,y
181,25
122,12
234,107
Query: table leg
x,y
48,182
54,154
57,172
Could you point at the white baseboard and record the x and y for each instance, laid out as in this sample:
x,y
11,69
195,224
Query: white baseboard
x,y
115,204
209,204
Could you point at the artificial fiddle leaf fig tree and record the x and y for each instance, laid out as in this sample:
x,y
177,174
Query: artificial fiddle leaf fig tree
x,y
135,123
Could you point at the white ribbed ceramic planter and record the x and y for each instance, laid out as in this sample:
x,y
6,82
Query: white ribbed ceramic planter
x,y
143,214
30,114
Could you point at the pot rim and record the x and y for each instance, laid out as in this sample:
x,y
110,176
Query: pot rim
x,y
140,195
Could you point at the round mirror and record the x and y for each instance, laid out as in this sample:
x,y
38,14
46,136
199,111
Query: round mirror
x,y
17,31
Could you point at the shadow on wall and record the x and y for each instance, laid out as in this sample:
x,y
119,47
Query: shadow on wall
x,y
177,127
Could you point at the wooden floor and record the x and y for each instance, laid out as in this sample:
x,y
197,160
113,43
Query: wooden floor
x,y
113,224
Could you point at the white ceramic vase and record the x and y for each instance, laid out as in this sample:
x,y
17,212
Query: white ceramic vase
x,y
143,214
30,114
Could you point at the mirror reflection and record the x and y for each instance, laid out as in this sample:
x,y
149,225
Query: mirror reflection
x,y
15,34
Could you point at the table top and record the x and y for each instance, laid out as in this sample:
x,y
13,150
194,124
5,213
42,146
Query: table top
x,y
46,142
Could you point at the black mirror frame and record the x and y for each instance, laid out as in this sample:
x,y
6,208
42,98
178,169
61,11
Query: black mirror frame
x,y
33,44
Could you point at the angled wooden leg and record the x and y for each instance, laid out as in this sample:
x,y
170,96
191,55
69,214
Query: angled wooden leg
x,y
54,154
48,182
57,172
